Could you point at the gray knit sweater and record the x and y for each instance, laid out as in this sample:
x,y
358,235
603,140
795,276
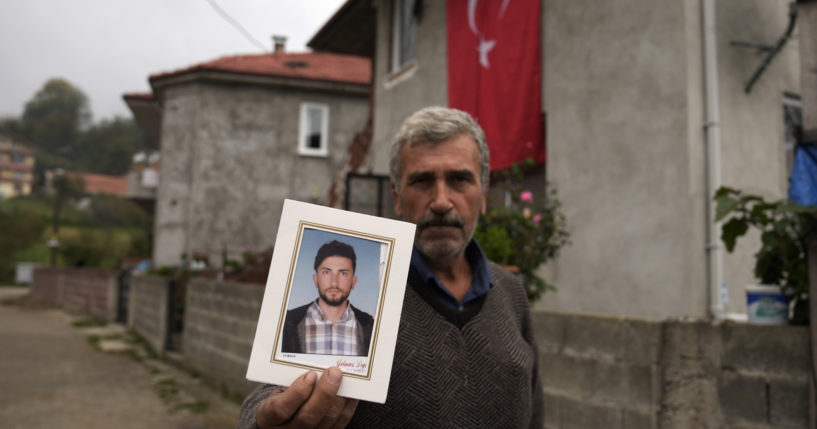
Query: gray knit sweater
x,y
468,369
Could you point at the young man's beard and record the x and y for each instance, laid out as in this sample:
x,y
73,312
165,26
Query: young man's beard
x,y
334,302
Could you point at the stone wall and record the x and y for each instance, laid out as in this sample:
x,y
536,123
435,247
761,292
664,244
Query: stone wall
x,y
147,312
220,320
597,371
78,290
617,372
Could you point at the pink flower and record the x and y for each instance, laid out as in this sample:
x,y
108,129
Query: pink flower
x,y
526,196
526,213
529,144
536,218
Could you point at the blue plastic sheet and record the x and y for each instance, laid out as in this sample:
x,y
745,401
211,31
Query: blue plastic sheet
x,y
803,189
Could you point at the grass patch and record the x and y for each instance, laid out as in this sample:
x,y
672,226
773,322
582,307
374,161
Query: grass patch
x,y
167,388
93,341
89,322
132,354
197,407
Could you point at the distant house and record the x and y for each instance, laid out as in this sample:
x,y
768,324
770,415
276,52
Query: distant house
x,y
238,135
631,138
16,169
104,184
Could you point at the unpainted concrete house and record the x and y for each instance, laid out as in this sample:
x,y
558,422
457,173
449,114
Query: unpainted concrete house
x,y
240,134
636,95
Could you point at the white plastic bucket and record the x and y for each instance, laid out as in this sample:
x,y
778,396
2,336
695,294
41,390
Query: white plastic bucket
x,y
766,305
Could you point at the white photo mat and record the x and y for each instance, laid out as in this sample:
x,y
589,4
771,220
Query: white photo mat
x,y
383,248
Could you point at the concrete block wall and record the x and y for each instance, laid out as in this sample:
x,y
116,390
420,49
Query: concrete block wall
x,y
617,372
78,290
219,328
147,309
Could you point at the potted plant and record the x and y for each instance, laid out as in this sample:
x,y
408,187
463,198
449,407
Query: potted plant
x,y
522,230
784,227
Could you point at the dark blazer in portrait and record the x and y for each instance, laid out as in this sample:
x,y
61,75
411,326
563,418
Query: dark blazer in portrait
x,y
294,325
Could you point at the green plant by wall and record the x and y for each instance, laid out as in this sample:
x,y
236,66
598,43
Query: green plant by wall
x,y
526,232
783,226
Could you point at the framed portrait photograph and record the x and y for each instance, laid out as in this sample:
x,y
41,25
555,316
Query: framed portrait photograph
x,y
333,297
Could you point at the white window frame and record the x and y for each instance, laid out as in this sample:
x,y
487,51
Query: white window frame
x,y
397,35
303,147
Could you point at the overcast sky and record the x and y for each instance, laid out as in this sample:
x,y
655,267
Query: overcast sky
x,y
110,47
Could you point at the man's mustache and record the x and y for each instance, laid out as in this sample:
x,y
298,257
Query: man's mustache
x,y
438,220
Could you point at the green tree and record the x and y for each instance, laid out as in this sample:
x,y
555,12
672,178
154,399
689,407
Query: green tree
x,y
108,147
54,118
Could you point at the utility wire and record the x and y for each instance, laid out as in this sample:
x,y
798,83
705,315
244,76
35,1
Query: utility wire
x,y
237,25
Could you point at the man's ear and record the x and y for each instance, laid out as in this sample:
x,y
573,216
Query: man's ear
x,y
398,209
483,204
315,280
354,282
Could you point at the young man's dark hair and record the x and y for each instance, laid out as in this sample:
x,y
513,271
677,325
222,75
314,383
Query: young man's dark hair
x,y
336,248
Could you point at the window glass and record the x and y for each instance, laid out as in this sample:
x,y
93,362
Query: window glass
x,y
404,33
313,134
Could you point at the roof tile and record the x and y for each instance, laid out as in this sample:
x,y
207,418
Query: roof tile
x,y
311,65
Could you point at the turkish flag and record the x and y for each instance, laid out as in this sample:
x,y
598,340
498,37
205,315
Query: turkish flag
x,y
494,73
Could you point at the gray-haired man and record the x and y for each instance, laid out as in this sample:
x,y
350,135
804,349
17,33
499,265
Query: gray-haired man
x,y
465,355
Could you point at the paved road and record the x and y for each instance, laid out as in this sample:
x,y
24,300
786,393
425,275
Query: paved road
x,y
51,377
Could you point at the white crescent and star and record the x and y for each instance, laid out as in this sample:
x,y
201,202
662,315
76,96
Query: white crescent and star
x,y
484,46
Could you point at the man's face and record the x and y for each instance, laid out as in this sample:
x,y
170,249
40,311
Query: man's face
x,y
335,279
441,192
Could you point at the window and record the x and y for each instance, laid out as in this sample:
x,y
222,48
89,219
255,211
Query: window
x,y
404,32
314,135
793,122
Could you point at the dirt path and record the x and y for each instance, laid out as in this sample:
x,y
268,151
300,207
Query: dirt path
x,y
54,375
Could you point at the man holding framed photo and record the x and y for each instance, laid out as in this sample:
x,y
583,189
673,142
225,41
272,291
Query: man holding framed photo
x,y
330,324
465,354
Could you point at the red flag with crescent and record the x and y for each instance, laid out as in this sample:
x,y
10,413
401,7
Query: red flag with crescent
x,y
494,73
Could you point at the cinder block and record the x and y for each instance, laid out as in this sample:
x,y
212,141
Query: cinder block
x,y
788,402
575,414
742,397
549,330
636,341
634,419
610,382
777,349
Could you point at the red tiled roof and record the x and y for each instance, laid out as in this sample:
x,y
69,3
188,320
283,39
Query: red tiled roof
x,y
98,183
321,66
148,96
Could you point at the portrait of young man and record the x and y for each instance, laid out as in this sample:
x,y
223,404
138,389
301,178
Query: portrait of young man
x,y
330,324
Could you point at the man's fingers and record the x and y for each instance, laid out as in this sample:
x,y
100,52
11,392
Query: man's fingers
x,y
279,408
347,413
321,401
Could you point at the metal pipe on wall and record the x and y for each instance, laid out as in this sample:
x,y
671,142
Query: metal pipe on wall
x,y
712,130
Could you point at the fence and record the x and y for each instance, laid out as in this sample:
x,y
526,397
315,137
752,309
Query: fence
x,y
626,373
83,290
597,371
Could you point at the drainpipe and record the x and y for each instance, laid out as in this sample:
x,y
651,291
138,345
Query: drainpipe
x,y
713,162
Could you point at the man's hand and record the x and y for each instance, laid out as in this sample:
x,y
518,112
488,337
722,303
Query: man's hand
x,y
307,405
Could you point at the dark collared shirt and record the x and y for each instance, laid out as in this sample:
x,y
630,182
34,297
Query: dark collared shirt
x,y
480,276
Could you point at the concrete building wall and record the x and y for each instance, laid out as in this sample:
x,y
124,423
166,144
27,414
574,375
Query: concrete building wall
x,y
616,98
423,82
230,158
624,95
